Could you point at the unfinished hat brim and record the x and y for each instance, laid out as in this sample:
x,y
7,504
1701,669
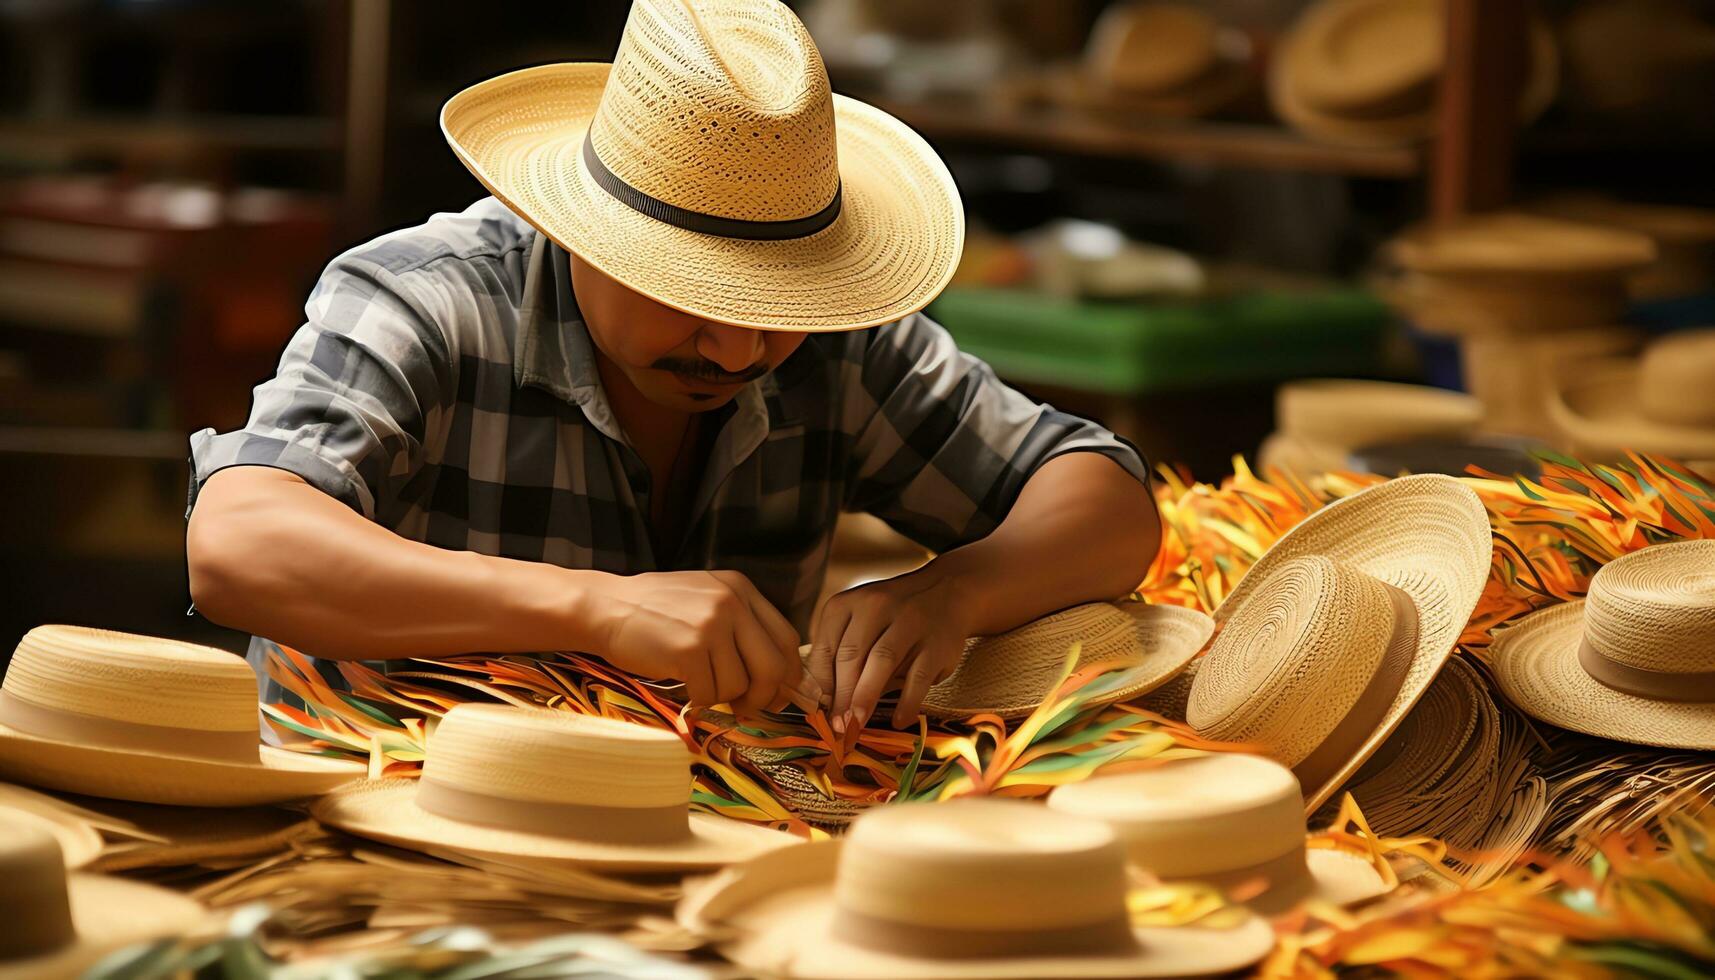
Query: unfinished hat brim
x,y
109,914
387,810
892,248
776,915
122,774
1600,411
1536,665
1012,673
1427,536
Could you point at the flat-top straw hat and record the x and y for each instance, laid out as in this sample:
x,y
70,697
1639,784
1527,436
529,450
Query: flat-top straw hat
x,y
1011,673
140,718
1634,661
79,840
1340,627
711,169
1225,819
1659,403
532,783
969,888
1159,58
1514,243
56,925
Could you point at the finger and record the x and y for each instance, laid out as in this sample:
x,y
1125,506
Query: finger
x,y
850,651
825,636
781,635
885,657
731,678
700,681
924,673
761,663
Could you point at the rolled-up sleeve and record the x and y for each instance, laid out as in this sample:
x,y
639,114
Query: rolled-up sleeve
x,y
355,391
943,446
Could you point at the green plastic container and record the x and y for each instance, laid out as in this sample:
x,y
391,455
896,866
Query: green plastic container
x,y
1137,347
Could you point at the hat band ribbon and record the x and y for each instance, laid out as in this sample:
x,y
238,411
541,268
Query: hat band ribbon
x,y
707,224
132,736
1370,708
1657,685
574,821
945,942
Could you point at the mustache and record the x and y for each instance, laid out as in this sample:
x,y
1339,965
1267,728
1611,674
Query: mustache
x,y
705,370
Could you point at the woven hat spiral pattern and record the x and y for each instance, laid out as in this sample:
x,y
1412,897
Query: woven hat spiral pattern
x,y
711,168
1635,661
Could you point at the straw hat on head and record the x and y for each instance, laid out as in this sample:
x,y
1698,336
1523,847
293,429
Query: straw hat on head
x,y
1657,404
1224,819
711,169
1338,629
1634,661
533,783
146,719
56,925
969,888
1012,673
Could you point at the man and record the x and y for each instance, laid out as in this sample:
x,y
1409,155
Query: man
x,y
620,412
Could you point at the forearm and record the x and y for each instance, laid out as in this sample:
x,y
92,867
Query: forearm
x,y
1082,529
270,554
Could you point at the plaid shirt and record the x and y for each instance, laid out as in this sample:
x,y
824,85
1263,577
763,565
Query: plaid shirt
x,y
444,387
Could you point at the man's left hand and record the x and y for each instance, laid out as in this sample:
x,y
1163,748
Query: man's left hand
x,y
864,639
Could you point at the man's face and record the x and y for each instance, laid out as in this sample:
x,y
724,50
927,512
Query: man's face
x,y
674,359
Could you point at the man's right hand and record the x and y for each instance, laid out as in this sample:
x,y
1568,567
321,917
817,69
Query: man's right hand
x,y
712,630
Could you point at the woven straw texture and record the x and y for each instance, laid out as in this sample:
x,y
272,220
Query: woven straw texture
x,y
976,864
1651,609
1425,535
1659,404
720,107
1169,700
1011,674
1354,414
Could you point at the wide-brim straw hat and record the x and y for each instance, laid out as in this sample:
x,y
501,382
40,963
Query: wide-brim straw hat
x,y
1657,404
1226,819
710,169
969,888
79,840
59,924
1337,630
1012,673
1352,414
535,784
1634,661
140,718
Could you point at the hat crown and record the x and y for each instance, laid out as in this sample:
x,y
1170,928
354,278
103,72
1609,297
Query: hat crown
x,y
35,912
1654,609
1199,816
539,755
720,107
1294,658
140,680
981,865
1676,377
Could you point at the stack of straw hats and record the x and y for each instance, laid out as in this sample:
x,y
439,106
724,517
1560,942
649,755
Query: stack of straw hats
x,y
1160,59
1684,240
1366,72
1528,297
967,888
1320,423
1659,403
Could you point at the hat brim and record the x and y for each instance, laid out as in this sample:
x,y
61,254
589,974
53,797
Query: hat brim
x,y
1426,535
776,915
109,914
1600,412
893,247
1536,665
79,841
1337,878
122,774
387,810
1167,636
181,835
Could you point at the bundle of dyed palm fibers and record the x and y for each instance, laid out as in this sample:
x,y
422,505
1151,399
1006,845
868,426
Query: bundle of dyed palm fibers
x,y
1595,785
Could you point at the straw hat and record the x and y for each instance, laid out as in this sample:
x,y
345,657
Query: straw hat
x,y
1170,59
1657,404
1635,661
79,840
1010,674
1224,819
1340,627
717,174
504,782
1684,239
1321,422
55,925
1516,243
969,888
140,718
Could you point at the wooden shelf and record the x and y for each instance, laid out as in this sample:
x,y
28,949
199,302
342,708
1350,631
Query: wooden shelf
x,y
158,134
1245,145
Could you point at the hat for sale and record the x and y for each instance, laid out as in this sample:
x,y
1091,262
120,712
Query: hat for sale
x,y
1655,404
